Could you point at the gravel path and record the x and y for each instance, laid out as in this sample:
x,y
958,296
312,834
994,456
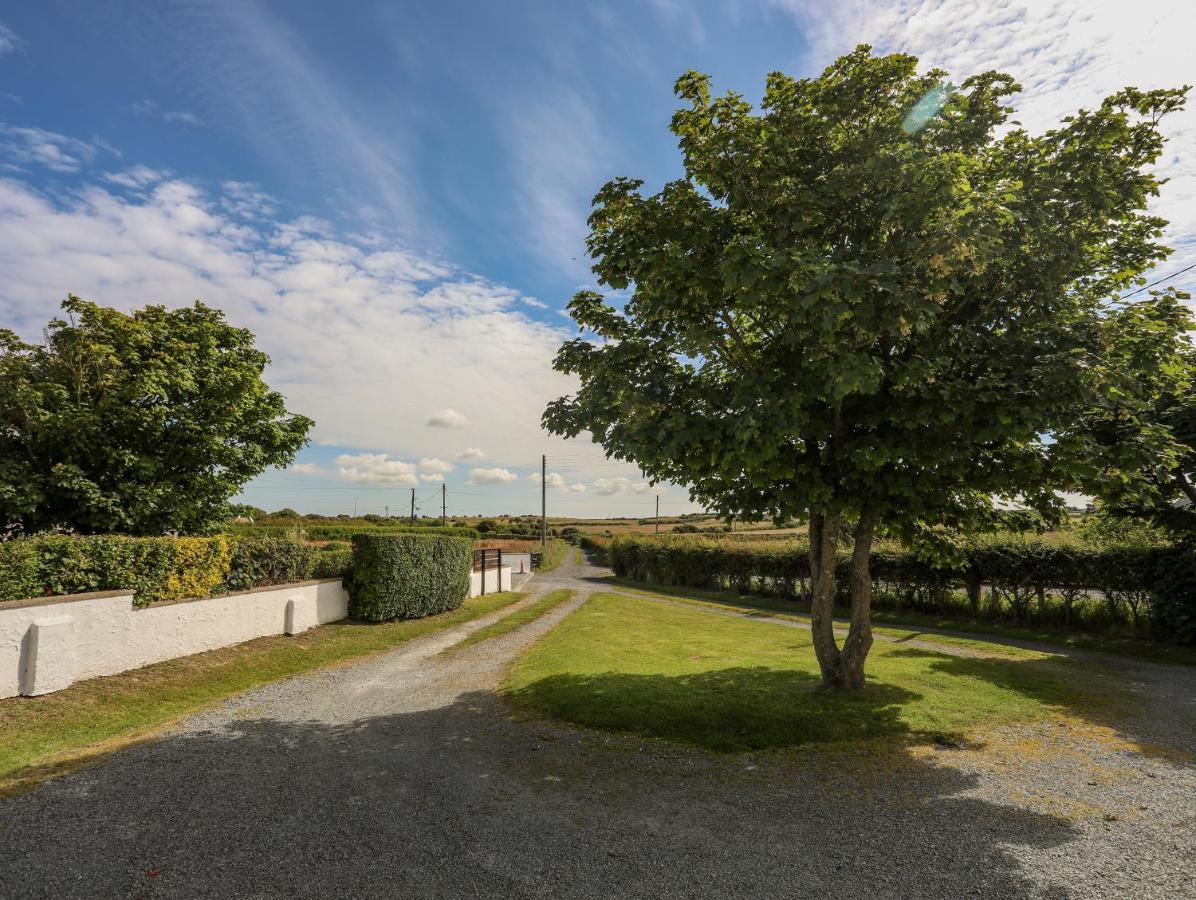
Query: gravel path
x,y
403,775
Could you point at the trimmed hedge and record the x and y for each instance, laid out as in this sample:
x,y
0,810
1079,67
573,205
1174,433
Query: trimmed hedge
x,y
335,563
1148,589
261,561
408,576
158,568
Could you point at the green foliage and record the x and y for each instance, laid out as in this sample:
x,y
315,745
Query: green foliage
x,y
551,555
1146,588
140,424
334,563
155,568
343,532
407,576
20,570
840,315
158,568
832,314
1140,438
260,561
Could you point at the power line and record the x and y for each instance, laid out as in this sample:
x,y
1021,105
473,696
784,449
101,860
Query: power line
x,y
1160,281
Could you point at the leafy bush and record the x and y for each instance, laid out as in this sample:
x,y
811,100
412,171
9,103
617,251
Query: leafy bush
x,y
408,576
1143,588
156,568
261,561
343,532
19,570
334,563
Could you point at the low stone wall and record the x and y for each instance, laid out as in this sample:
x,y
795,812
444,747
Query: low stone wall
x,y
50,642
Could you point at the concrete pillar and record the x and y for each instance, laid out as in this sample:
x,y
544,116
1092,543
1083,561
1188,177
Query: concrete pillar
x,y
48,662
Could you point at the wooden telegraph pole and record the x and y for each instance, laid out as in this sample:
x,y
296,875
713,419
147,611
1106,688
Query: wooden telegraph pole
x,y
543,500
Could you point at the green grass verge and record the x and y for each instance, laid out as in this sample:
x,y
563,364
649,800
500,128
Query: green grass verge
x,y
43,736
733,684
959,631
552,555
514,620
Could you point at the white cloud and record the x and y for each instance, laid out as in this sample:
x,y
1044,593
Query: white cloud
x,y
556,481
610,487
432,477
471,453
432,465
307,469
47,149
10,41
136,177
1067,55
376,468
364,337
448,418
491,476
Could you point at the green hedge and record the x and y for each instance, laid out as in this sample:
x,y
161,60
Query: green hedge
x,y
342,532
1149,590
155,568
408,576
158,568
261,561
334,563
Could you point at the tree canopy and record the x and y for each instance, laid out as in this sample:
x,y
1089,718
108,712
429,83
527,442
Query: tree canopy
x,y
140,423
874,298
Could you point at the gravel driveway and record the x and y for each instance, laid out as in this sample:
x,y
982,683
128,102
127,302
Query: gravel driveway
x,y
403,776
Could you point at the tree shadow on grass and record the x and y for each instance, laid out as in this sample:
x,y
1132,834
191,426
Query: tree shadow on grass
x,y
464,801
721,709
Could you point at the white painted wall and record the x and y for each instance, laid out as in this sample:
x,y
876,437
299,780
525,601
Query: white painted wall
x,y
496,580
47,643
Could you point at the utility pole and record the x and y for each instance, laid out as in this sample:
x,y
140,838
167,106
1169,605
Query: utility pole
x,y
658,513
413,506
354,507
443,503
543,500
388,510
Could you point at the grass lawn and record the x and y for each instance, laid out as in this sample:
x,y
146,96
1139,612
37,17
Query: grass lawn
x,y
552,555
890,622
622,664
47,735
517,619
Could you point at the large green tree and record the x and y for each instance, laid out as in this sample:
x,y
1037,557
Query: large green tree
x,y
870,302
143,423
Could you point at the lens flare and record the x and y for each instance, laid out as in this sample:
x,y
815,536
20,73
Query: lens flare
x,y
926,108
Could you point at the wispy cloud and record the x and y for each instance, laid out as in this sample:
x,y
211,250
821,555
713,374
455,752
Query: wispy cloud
x,y
151,109
560,156
10,41
23,146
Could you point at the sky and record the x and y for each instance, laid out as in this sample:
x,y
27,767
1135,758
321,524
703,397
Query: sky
x,y
393,196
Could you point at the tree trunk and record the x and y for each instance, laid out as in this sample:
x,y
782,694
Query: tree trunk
x,y
824,541
859,636
841,669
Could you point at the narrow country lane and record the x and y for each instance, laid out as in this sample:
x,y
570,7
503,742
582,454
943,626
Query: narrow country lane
x,y
404,776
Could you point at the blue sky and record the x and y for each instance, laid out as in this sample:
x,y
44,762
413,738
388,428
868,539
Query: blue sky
x,y
393,196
